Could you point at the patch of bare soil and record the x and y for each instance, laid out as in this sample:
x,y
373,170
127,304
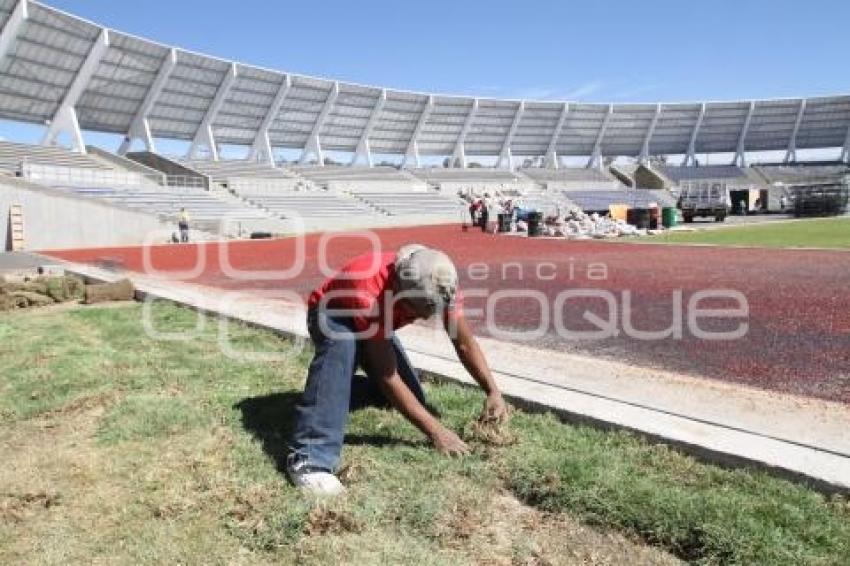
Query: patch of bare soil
x,y
81,405
64,498
507,532
17,507
356,470
325,520
48,471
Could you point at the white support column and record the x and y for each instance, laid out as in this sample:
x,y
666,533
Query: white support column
x,y
261,150
411,156
596,156
845,152
791,154
551,152
139,127
740,153
204,136
363,153
690,155
314,146
643,158
505,157
13,26
65,118
459,155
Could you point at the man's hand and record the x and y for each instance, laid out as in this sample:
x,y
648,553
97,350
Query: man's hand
x,y
448,443
495,410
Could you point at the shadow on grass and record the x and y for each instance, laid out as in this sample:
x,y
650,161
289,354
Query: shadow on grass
x,y
270,419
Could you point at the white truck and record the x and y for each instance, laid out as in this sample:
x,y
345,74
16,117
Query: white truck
x,y
705,200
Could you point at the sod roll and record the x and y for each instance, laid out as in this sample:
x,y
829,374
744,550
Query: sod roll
x,y
104,292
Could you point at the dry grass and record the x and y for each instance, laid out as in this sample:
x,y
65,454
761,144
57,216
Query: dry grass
x,y
146,460
120,449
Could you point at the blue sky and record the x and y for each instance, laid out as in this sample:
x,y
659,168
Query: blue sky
x,y
654,50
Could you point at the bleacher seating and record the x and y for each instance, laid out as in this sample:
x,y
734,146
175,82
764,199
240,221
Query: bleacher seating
x,y
81,176
790,174
438,175
571,177
13,154
245,176
678,174
345,178
476,180
308,204
244,185
223,170
340,172
401,203
205,207
601,200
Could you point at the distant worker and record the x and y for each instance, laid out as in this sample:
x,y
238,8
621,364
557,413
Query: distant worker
x,y
352,318
474,206
183,225
486,204
783,203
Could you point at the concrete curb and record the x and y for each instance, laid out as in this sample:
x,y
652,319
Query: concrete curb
x,y
819,460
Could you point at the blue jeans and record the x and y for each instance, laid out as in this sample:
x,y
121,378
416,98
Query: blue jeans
x,y
322,412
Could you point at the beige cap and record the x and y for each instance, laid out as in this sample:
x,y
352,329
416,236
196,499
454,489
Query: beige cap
x,y
428,276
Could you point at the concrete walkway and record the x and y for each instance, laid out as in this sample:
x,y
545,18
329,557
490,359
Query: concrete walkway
x,y
24,262
729,424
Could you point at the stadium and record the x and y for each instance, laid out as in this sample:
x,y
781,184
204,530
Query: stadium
x,y
659,290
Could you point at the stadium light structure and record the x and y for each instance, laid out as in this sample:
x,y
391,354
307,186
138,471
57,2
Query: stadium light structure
x,y
108,81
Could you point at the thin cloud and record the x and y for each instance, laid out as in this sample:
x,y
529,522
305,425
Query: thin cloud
x,y
634,92
542,92
584,90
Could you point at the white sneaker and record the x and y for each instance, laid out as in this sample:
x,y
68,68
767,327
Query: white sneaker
x,y
316,482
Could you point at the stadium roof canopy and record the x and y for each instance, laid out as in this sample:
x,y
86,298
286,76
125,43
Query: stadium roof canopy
x,y
71,74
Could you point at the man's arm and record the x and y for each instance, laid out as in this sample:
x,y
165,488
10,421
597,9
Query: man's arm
x,y
381,364
472,358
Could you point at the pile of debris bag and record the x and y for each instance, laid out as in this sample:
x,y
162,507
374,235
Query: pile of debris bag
x,y
575,224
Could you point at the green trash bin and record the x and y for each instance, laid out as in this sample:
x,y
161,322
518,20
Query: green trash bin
x,y
669,217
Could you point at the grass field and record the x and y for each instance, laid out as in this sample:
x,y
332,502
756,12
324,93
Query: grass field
x,y
811,233
121,449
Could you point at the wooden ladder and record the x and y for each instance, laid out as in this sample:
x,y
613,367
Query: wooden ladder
x,y
16,224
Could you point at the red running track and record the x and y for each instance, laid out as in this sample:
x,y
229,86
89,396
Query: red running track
x,y
798,339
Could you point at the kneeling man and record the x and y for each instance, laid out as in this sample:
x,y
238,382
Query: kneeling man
x,y
351,319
